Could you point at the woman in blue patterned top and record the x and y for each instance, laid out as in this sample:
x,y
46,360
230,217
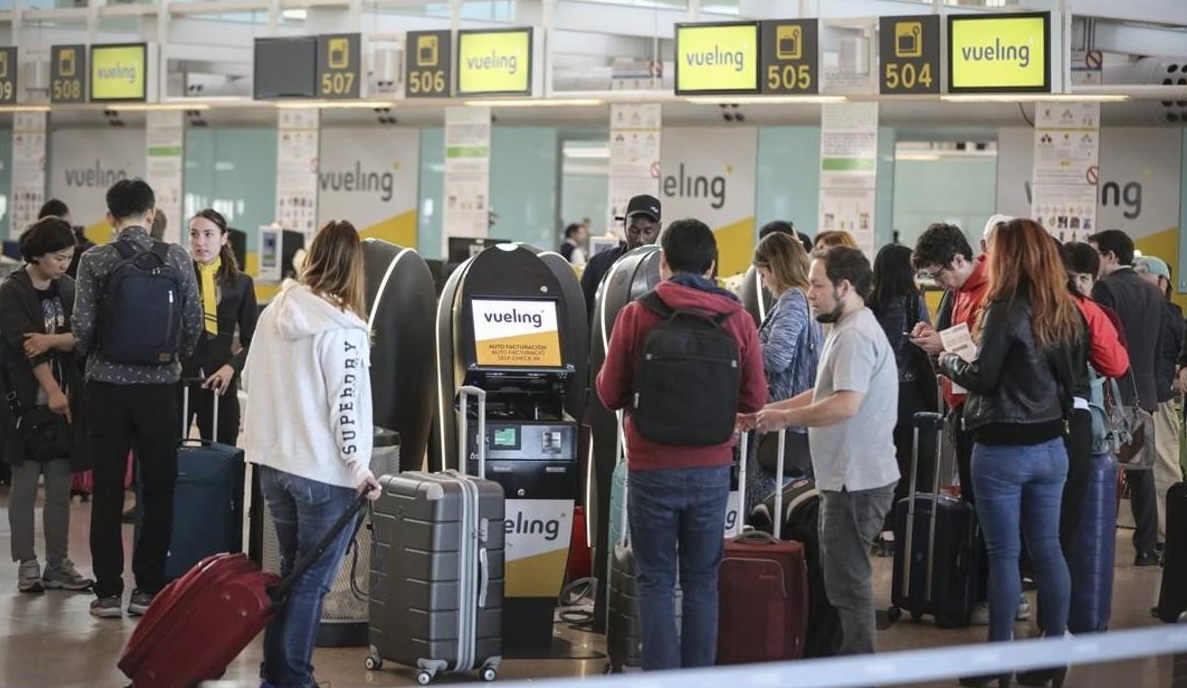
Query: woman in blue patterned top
x,y
791,342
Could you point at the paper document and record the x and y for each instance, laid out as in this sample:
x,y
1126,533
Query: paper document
x,y
959,340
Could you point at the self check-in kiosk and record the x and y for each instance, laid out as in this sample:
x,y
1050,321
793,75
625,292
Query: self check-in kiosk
x,y
401,303
512,323
632,276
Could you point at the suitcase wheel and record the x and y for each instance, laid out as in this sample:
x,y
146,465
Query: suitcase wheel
x,y
373,663
488,673
424,678
915,616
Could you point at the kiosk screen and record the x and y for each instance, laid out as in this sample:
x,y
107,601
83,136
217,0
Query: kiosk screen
x,y
516,333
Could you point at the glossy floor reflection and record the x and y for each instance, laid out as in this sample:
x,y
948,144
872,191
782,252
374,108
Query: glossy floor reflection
x,y
51,639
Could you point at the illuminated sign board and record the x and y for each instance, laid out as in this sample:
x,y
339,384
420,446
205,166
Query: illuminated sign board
x,y
497,62
909,48
717,58
119,72
68,74
516,333
426,64
1008,53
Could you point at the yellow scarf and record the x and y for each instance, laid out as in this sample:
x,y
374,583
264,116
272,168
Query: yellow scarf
x,y
209,298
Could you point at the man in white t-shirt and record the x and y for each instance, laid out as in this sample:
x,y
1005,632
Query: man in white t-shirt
x,y
850,417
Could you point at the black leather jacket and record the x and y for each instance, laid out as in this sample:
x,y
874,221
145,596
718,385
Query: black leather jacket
x,y
1012,381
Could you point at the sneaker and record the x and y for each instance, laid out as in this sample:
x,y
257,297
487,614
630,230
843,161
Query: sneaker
x,y
65,577
1023,612
138,605
28,578
107,607
980,615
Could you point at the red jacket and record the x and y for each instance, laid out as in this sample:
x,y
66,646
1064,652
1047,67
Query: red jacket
x,y
969,300
615,381
1105,351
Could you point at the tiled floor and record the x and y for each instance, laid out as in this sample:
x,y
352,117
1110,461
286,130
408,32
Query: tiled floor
x,y
51,640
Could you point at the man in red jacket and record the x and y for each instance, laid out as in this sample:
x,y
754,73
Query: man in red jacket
x,y
677,494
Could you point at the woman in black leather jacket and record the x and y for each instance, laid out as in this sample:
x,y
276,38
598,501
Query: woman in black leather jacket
x,y
1031,339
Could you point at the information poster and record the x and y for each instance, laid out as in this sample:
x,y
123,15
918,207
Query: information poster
x,y
467,174
1065,170
296,170
516,333
164,167
634,156
28,170
849,170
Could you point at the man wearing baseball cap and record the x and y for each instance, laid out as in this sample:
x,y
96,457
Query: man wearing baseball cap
x,y
642,220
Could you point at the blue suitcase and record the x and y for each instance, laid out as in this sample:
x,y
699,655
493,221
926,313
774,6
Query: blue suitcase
x,y
208,499
1091,551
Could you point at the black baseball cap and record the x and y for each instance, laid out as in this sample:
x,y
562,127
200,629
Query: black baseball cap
x,y
642,205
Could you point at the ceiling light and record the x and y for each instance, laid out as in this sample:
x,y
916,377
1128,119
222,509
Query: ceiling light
x,y
294,15
538,102
336,104
764,100
587,153
24,108
156,107
918,157
1034,98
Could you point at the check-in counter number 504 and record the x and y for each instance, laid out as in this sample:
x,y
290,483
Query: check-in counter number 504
x,y
789,77
907,75
337,83
427,81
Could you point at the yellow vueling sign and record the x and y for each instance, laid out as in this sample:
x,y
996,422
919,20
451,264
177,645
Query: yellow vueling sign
x,y
118,72
717,58
494,62
999,53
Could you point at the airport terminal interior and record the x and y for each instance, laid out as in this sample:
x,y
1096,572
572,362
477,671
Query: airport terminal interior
x,y
511,168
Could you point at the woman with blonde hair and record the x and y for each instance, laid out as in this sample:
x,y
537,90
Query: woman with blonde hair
x,y
791,343
834,237
1031,339
308,428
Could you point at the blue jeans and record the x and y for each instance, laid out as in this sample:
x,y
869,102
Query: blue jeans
x,y
677,520
303,511
1019,488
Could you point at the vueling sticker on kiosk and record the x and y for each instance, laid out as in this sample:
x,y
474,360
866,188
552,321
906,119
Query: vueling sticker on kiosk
x,y
538,533
516,333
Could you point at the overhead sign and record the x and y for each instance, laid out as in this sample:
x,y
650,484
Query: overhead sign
x,y
999,53
790,56
717,58
68,74
516,333
285,68
909,48
497,62
118,72
7,76
427,64
338,65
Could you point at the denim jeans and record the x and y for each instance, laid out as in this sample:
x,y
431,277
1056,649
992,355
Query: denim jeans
x,y
677,521
1019,488
303,511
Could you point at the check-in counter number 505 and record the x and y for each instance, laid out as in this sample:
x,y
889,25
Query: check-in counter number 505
x,y
789,77
337,83
427,81
907,75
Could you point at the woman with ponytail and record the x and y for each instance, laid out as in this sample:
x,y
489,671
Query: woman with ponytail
x,y
228,304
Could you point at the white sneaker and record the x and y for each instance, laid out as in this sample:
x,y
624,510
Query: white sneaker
x,y
980,615
1023,612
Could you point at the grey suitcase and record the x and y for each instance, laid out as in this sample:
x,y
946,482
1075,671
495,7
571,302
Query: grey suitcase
x,y
437,568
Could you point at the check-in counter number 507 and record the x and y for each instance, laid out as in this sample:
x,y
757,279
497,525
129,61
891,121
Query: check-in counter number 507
x,y
337,83
907,75
427,81
789,77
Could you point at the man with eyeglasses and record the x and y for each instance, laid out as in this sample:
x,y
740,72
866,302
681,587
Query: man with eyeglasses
x,y
642,227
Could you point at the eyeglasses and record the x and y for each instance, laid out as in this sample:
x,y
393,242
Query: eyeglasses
x,y
928,275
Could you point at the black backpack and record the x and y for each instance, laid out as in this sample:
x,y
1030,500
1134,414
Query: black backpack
x,y
687,378
140,311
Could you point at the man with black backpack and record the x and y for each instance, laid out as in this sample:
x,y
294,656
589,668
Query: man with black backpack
x,y
137,312
683,361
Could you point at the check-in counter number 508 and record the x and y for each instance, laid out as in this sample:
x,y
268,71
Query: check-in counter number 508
x,y
429,81
789,77
906,76
337,83
67,89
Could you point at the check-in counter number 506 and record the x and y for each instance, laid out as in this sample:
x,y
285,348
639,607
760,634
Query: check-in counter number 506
x,y
789,77
427,81
907,76
337,83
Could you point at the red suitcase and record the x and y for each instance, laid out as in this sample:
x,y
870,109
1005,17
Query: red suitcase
x,y
762,591
200,622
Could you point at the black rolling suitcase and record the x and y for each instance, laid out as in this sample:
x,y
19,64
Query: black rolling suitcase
x,y
1172,598
935,554
437,568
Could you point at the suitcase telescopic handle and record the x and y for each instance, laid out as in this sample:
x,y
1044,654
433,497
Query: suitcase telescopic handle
x,y
464,394
777,517
279,594
186,383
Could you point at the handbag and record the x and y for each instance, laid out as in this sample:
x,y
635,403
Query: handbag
x,y
47,434
797,457
1136,451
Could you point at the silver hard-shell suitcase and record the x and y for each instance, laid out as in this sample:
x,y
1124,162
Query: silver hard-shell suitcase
x,y
437,568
